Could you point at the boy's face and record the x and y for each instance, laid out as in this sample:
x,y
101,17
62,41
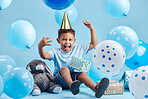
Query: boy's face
x,y
66,41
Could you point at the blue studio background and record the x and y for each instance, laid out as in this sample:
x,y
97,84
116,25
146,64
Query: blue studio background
x,y
43,20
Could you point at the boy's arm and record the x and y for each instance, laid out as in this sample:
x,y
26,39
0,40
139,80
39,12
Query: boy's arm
x,y
94,40
42,43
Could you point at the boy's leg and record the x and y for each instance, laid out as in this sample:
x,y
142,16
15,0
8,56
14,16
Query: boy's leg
x,y
98,89
73,85
65,73
86,80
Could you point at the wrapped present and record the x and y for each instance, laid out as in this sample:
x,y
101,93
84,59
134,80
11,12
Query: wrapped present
x,y
80,64
114,88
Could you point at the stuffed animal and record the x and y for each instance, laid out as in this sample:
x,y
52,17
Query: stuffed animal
x,y
44,81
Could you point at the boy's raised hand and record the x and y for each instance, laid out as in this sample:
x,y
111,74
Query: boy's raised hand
x,y
45,42
88,24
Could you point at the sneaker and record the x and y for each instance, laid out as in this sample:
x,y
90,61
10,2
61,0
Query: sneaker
x,y
74,87
101,87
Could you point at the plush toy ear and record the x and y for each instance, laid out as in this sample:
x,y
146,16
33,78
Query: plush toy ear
x,y
47,69
28,66
33,62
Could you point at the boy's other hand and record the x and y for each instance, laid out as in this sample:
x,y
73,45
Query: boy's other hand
x,y
45,42
88,24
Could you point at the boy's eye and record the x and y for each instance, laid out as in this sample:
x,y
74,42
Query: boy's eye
x,y
64,39
70,39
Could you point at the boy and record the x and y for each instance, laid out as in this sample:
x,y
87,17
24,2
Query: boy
x,y
68,77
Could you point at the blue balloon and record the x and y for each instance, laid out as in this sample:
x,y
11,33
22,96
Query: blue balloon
x,y
6,64
96,75
139,58
21,34
1,85
127,37
71,12
18,83
58,4
4,4
118,8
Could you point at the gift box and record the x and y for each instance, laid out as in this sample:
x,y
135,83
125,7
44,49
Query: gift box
x,y
114,88
80,64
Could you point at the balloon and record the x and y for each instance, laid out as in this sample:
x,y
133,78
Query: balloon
x,y
118,8
6,64
96,75
18,83
139,58
4,4
108,57
138,83
1,85
21,34
127,37
58,4
71,12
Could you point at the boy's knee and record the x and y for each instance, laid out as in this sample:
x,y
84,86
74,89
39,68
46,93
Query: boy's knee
x,y
64,69
82,75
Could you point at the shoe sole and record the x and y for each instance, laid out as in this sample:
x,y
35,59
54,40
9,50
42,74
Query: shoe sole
x,y
75,87
102,87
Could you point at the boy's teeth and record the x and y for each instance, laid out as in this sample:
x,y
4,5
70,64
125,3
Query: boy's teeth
x,y
66,46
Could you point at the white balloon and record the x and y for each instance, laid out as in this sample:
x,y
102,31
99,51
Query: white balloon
x,y
138,83
108,57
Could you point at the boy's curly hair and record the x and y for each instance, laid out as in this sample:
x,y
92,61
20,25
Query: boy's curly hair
x,y
61,31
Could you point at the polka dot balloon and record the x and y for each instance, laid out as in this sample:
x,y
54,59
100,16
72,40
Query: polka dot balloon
x,y
138,83
108,57
18,83
139,58
127,37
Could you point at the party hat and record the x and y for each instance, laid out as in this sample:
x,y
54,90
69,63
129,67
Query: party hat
x,y
65,23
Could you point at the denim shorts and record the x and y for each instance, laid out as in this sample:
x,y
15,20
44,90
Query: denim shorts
x,y
60,80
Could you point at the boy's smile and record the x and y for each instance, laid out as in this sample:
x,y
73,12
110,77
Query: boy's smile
x,y
66,41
